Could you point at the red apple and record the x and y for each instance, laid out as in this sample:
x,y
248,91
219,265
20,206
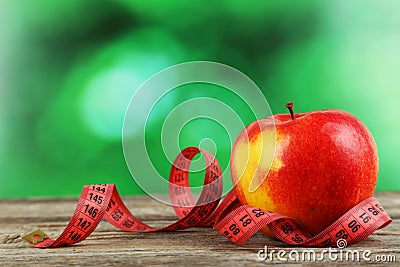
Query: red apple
x,y
321,164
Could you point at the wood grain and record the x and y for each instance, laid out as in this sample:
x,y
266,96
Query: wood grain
x,y
108,246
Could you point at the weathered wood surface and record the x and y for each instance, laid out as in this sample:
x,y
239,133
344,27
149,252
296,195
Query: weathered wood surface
x,y
196,246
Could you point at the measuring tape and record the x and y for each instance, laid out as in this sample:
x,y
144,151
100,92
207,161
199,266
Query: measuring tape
x,y
235,221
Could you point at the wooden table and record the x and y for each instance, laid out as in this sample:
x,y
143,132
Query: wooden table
x,y
197,246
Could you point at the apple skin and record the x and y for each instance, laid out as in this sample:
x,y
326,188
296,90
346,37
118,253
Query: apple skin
x,y
324,163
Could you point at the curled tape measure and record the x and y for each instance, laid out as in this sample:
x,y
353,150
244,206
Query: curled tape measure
x,y
235,221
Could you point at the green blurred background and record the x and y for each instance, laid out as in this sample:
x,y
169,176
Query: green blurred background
x,y
68,69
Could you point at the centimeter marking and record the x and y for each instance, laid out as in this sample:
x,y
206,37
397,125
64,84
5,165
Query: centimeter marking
x,y
235,221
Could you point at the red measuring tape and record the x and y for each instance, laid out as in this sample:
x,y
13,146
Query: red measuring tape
x,y
235,221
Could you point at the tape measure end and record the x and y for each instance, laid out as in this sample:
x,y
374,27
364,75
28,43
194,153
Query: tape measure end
x,y
36,237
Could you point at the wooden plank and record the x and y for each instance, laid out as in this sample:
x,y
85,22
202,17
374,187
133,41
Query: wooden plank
x,y
194,247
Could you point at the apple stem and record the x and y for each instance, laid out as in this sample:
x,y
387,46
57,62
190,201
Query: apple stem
x,y
289,106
